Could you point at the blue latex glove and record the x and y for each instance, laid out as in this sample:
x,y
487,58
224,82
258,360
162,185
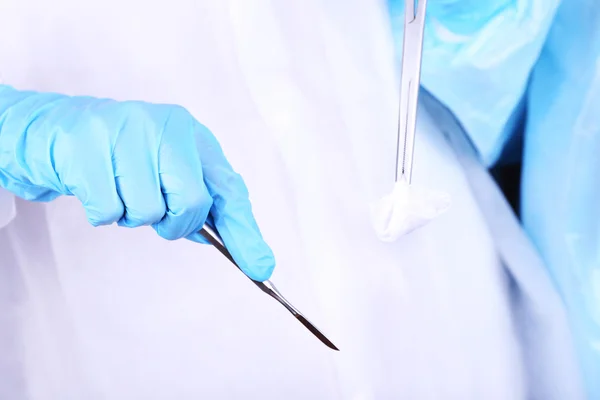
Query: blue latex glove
x,y
133,163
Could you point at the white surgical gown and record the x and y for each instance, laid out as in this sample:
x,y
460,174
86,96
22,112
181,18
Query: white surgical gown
x,y
303,97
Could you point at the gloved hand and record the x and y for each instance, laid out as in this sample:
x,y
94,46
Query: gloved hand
x,y
133,163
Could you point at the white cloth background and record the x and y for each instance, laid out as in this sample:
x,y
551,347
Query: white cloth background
x,y
303,97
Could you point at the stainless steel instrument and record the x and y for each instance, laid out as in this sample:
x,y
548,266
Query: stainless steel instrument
x,y
267,286
412,50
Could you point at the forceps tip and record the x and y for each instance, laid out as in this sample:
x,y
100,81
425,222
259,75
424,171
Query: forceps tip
x,y
414,9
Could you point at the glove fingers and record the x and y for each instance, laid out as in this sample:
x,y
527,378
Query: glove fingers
x,y
136,172
187,198
89,176
198,238
241,236
232,211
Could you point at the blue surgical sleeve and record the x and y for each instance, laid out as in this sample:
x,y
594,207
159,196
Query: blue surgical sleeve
x,y
477,58
561,172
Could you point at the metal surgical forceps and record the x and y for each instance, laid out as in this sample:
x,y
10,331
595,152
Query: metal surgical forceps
x,y
412,49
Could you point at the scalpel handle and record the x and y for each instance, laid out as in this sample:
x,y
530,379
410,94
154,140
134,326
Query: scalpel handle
x,y
213,238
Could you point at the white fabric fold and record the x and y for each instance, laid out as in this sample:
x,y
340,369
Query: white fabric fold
x,y
7,207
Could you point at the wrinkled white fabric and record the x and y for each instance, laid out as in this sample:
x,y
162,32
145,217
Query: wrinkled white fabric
x,y
7,207
407,208
294,91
